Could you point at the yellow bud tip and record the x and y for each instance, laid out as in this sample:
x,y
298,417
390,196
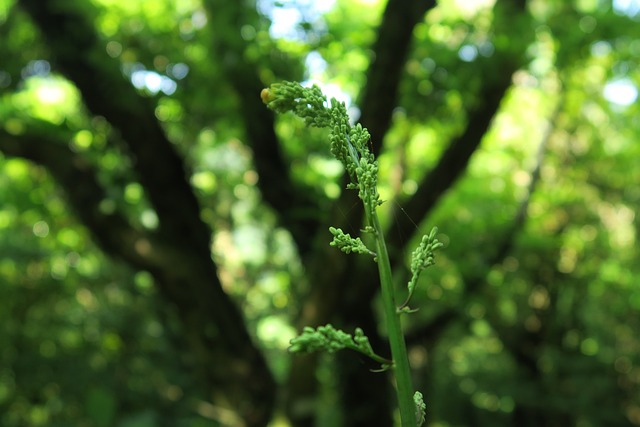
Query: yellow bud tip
x,y
266,95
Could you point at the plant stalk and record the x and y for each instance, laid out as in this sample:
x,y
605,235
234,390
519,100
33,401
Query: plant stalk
x,y
404,387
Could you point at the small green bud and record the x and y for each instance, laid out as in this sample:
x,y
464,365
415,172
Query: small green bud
x,y
421,408
267,96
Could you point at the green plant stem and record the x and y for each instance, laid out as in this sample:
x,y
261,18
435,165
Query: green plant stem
x,y
404,387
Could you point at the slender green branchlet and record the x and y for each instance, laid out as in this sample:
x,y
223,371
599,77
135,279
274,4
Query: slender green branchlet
x,y
421,258
348,244
329,339
350,145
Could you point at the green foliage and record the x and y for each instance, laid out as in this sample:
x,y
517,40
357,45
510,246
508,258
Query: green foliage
x,y
541,329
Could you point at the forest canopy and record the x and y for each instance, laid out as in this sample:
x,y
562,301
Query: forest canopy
x,y
164,235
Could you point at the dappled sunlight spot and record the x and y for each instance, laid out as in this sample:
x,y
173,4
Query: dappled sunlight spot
x,y
509,311
464,215
287,18
14,126
629,8
69,237
487,401
207,137
588,233
133,193
409,187
178,70
81,140
621,92
231,157
9,270
275,331
468,53
116,295
41,229
86,299
539,298
154,329
476,310
250,177
248,32
223,246
589,347
88,265
280,300
172,392
149,219
35,271
619,222
59,268
72,259
69,338
315,63
633,414
521,178
495,278
567,260
331,190
114,49
449,281
249,241
418,357
480,328
571,339
219,414
169,110
111,342
204,181
434,292
467,385
143,281
468,9
153,82
143,247
329,167
595,114
623,365
50,94
241,191
497,184
49,98
587,24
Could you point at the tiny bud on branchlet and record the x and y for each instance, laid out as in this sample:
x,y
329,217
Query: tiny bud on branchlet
x,y
266,95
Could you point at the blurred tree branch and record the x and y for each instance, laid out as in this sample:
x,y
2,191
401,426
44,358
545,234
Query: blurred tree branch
x,y
390,51
45,144
185,274
296,209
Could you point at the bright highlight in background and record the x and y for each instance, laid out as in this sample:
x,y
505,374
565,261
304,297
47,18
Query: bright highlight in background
x,y
621,92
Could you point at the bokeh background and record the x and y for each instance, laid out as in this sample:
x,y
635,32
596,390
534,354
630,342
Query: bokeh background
x,y
163,235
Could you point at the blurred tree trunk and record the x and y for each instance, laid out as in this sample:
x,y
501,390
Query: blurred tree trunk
x,y
177,253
